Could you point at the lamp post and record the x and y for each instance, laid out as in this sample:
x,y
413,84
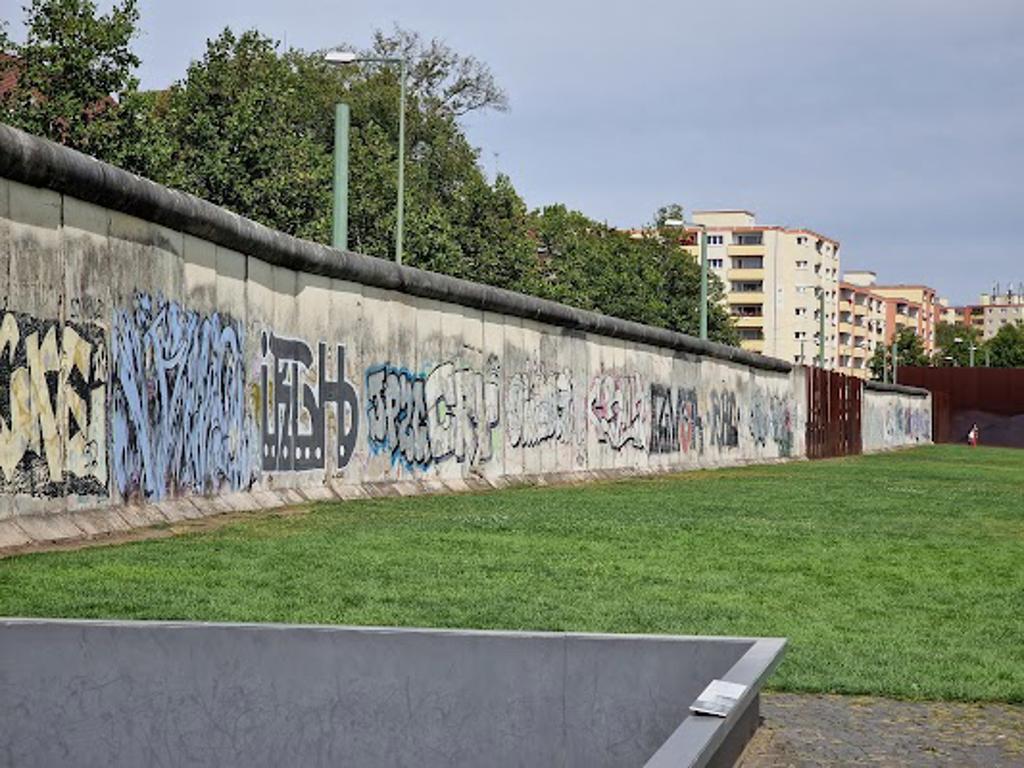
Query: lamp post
x,y
342,58
970,350
703,272
821,328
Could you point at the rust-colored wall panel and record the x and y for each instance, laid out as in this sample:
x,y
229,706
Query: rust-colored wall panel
x,y
993,398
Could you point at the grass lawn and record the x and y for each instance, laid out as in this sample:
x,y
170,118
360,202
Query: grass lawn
x,y
899,575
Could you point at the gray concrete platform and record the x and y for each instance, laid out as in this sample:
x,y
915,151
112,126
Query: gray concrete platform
x,y
99,693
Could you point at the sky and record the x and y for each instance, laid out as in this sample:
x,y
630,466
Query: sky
x,y
893,126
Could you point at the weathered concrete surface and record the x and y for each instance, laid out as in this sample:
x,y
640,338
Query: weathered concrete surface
x,y
138,693
895,417
197,362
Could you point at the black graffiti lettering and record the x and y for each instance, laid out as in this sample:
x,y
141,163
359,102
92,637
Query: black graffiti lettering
x,y
725,417
675,423
293,411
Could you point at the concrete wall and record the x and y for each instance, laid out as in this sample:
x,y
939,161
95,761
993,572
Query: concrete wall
x,y
143,362
895,417
156,349
152,693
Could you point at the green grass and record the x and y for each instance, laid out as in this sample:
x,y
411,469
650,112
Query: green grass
x,y
899,574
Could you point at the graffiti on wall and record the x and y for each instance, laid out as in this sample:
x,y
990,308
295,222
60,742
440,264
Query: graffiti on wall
x,y
539,407
53,384
724,431
618,410
422,418
295,394
177,410
771,421
907,423
396,415
675,420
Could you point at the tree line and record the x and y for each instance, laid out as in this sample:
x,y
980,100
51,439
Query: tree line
x,y
953,343
249,127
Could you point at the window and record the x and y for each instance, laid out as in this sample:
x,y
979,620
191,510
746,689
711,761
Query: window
x,y
801,264
747,238
798,335
801,311
716,239
801,240
716,263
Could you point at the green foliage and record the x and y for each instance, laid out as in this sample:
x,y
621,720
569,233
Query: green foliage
x,y
670,212
251,128
953,343
862,563
1006,348
647,279
75,81
909,352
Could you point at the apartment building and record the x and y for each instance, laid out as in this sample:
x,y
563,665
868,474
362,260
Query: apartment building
x,y
862,323
775,279
998,309
911,306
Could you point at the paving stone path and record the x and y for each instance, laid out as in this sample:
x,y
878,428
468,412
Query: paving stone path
x,y
801,730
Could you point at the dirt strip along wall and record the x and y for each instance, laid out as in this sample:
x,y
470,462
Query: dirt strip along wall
x,y
154,347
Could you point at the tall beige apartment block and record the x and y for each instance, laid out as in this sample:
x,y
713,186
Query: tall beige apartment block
x,y
774,278
862,323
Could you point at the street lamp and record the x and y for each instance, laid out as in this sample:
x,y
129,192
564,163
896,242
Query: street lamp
x,y
960,340
703,272
340,59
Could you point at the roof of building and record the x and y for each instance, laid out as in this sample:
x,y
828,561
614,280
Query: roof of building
x,y
724,210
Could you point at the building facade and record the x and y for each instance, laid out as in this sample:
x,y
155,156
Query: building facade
x,y
912,306
776,280
862,323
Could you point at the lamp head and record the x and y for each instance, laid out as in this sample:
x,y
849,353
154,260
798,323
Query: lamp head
x,y
340,57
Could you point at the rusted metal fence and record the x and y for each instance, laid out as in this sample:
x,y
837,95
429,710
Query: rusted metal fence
x,y
992,398
833,414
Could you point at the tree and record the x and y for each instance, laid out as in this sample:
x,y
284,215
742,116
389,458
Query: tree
x,y
445,81
647,279
1006,348
251,129
670,212
953,342
909,352
74,78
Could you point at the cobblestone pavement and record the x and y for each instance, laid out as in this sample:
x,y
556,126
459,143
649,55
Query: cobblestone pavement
x,y
804,730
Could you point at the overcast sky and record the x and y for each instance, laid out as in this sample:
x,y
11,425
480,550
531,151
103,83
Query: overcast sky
x,y
894,126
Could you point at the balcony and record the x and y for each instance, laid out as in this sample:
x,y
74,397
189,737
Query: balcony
x,y
748,321
744,250
745,274
752,345
845,306
860,309
745,297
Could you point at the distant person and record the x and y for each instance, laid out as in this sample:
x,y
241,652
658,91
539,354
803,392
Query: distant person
x,y
973,435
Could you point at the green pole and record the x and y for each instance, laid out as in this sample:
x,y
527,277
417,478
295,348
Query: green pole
x,y
972,354
339,223
703,284
895,359
400,222
821,332
988,357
